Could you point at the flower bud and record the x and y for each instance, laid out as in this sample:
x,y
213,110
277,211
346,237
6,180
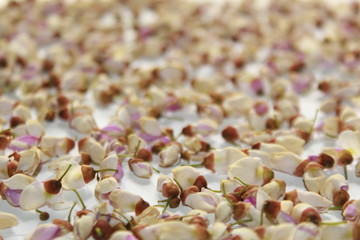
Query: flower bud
x,y
230,134
93,148
314,177
140,168
304,212
170,190
170,155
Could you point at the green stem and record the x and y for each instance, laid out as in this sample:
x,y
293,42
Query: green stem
x,y
124,216
166,205
313,125
335,208
277,121
137,148
262,217
345,172
38,211
333,223
80,199
242,190
176,181
165,200
124,155
241,181
216,191
193,165
156,170
158,205
71,209
66,171
225,195
241,222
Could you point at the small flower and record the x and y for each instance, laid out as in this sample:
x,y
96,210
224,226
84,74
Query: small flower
x,y
303,212
286,162
185,175
126,201
205,200
250,170
104,187
314,177
223,212
83,225
93,148
219,160
140,168
335,189
275,188
291,143
83,123
170,155
56,146
150,126
350,141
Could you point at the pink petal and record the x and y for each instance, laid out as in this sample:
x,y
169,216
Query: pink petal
x,y
47,232
112,128
13,196
28,139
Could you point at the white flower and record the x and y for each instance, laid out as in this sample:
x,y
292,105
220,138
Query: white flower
x,y
170,155
205,200
185,175
350,141
93,148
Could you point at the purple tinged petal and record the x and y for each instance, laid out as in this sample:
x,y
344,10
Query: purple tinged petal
x,y
345,187
149,138
257,85
131,237
286,217
251,199
351,212
13,196
48,232
16,148
120,173
313,158
28,139
112,128
311,232
301,86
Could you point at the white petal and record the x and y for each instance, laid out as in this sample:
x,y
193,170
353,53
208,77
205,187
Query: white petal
x,y
33,196
7,220
19,181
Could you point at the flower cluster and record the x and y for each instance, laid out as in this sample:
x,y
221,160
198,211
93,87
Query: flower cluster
x,y
207,118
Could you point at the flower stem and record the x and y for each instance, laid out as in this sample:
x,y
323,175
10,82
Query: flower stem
x,y
225,195
176,181
335,208
156,170
333,223
124,155
166,205
216,191
262,217
240,222
345,172
71,209
241,181
80,199
124,216
194,165
165,200
66,171
137,148
313,125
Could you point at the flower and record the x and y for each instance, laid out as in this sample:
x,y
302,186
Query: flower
x,y
205,200
93,148
250,170
185,175
219,160
350,141
170,155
